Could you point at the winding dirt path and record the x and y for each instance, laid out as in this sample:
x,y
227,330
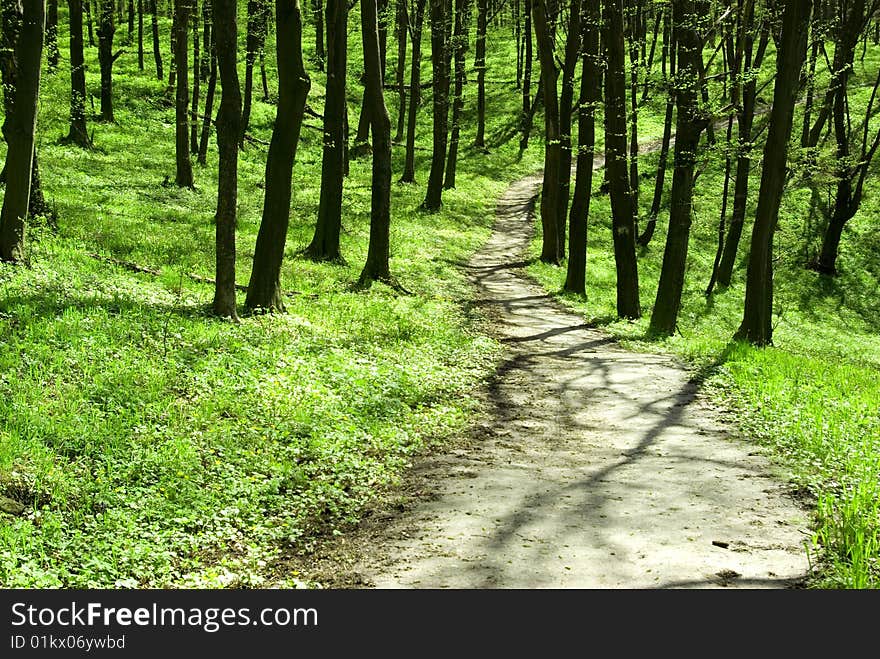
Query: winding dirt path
x,y
594,468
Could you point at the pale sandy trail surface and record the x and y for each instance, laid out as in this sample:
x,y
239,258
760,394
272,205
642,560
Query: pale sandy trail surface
x,y
594,467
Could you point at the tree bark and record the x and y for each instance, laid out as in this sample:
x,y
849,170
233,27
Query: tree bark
x,y
480,66
325,243
196,86
688,127
78,133
228,131
623,211
376,267
756,326
264,289
52,53
402,31
440,68
184,175
157,50
590,97
550,201
209,101
19,130
415,96
459,47
106,30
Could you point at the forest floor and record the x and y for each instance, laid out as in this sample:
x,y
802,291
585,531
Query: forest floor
x,y
590,467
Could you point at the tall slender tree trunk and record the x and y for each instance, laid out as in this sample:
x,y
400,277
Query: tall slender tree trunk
x,y
528,56
376,267
756,326
196,86
688,127
157,50
566,99
89,23
20,129
184,176
209,102
52,52
623,210
480,66
106,29
590,97
318,12
140,17
325,243
459,47
264,289
415,96
668,54
228,118
440,68
402,31
78,133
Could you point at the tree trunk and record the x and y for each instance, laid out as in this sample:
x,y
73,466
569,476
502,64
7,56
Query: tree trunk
x,y
320,55
325,243
668,53
106,29
415,96
688,127
590,97
402,30
140,17
440,68
157,50
184,176
264,289
196,87
459,46
52,53
633,25
480,66
756,325
376,267
566,99
525,119
88,6
20,129
623,211
78,133
550,202
228,119
209,103
256,35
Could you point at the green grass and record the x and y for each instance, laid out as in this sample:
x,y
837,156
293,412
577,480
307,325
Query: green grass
x,y
813,399
157,446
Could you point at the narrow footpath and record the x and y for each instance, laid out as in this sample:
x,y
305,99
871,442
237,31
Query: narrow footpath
x,y
594,467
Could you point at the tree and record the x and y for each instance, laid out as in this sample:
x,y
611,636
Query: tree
x,y
257,27
551,247
623,210
184,176
20,129
480,66
228,124
52,53
157,51
688,127
106,58
854,151
590,97
440,66
78,133
264,288
791,52
417,15
376,267
325,243
459,48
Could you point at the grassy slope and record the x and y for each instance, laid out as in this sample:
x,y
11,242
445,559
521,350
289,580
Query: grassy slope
x,y
813,400
156,446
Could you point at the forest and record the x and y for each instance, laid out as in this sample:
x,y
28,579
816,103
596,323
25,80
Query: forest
x,y
440,293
